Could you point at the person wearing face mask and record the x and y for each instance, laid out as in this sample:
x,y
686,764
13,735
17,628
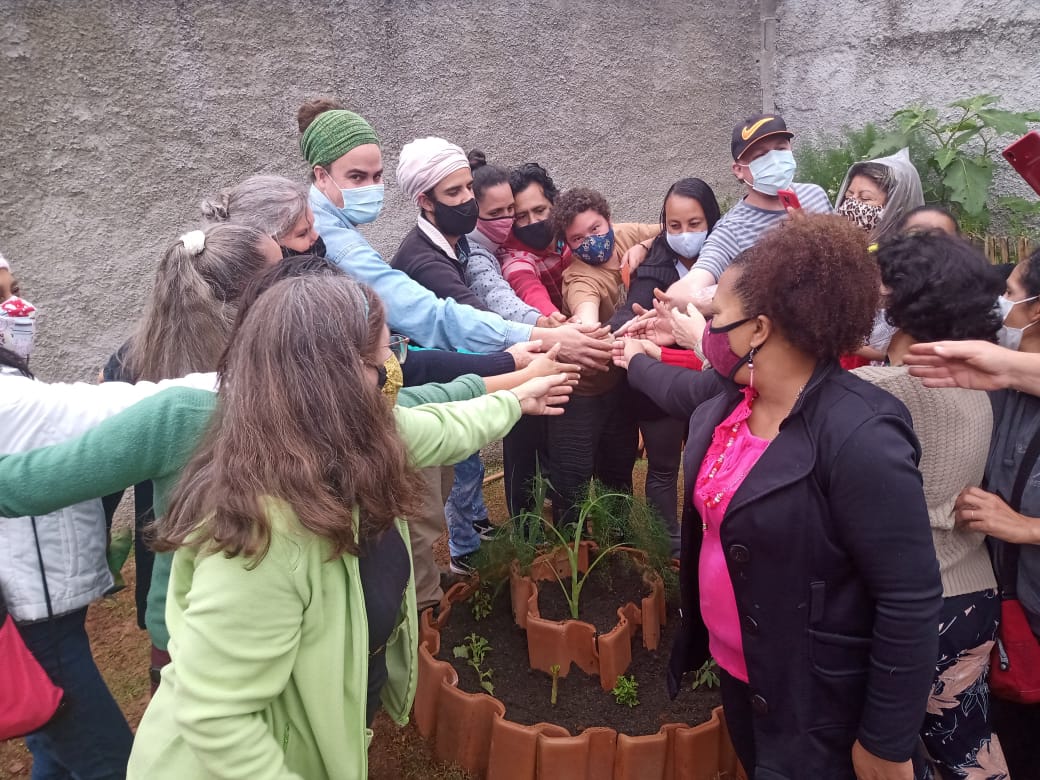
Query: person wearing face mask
x,y
494,224
346,164
597,435
877,194
274,205
688,215
532,259
1013,530
816,591
764,164
941,288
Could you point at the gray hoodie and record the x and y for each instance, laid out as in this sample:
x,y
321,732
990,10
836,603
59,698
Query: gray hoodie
x,y
904,192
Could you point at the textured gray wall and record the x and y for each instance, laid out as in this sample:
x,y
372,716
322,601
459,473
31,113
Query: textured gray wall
x,y
116,118
843,64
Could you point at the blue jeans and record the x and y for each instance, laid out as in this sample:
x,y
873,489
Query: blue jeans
x,y
89,738
465,505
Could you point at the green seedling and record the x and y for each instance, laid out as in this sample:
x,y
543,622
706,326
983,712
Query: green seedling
x,y
707,676
474,649
481,603
554,670
626,690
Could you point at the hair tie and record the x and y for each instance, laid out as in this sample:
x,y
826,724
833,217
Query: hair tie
x,y
194,241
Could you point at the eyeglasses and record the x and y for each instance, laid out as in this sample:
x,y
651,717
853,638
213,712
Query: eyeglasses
x,y
398,346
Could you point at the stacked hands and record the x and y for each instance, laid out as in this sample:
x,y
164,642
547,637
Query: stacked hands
x,y
665,325
547,381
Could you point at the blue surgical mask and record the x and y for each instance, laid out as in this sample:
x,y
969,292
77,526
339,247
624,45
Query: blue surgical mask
x,y
362,205
686,244
596,250
773,171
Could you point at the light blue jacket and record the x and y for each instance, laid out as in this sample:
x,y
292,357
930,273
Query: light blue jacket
x,y
411,309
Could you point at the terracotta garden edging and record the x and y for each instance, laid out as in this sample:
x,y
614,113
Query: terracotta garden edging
x,y
471,730
563,642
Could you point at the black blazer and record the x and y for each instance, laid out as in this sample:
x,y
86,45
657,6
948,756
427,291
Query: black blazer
x,y
830,554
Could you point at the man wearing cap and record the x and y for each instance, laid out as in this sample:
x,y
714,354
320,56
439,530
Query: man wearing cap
x,y
762,160
346,162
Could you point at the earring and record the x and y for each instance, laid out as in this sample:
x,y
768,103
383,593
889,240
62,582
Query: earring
x,y
751,367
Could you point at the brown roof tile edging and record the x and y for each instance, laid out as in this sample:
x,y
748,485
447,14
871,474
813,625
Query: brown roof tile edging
x,y
471,730
563,642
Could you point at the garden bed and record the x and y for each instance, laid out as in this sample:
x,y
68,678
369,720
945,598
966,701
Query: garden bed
x,y
581,701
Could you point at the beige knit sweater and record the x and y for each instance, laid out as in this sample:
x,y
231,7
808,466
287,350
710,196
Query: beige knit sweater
x,y
954,427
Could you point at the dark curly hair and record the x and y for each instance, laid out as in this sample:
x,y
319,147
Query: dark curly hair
x,y
574,202
532,173
940,288
1031,274
928,208
814,278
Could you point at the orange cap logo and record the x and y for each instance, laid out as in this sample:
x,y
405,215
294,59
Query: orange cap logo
x,y
747,132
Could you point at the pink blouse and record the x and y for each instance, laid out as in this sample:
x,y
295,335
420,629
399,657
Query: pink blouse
x,y
733,452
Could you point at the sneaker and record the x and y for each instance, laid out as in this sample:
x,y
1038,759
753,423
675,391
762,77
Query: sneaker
x,y
484,529
460,564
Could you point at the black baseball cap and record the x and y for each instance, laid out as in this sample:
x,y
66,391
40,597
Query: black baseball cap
x,y
755,128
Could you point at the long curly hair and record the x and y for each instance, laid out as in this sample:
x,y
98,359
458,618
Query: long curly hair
x,y
300,420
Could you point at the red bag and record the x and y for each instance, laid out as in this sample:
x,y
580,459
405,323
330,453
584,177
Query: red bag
x,y
1014,671
28,698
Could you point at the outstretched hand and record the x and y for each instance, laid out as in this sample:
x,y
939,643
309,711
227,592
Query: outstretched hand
x,y
627,348
543,395
976,365
547,364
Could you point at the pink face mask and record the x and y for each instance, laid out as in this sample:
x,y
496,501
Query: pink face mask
x,y
496,229
715,344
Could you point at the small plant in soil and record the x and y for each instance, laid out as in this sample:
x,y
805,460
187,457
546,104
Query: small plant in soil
x,y
481,602
707,676
474,649
626,690
555,670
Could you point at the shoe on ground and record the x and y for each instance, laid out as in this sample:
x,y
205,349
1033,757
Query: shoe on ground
x,y
485,530
462,564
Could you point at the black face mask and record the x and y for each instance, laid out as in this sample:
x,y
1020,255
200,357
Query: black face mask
x,y
456,220
537,235
317,248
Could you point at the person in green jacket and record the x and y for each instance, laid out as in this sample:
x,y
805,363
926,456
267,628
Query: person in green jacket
x,y
290,592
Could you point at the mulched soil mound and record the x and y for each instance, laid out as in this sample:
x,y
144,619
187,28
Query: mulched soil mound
x,y
581,703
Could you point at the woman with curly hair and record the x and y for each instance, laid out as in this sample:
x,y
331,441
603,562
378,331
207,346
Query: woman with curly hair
x,y
940,288
807,566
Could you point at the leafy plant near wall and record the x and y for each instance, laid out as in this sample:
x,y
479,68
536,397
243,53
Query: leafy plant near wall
x,y
474,650
955,149
626,690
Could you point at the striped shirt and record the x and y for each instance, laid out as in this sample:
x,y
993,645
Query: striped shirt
x,y
742,226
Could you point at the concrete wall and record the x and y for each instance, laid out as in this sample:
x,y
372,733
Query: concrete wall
x,y
116,118
843,64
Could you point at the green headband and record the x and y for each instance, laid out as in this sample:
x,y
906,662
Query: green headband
x,y
334,133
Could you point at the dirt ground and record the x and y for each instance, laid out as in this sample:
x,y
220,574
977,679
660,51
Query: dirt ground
x,y
121,650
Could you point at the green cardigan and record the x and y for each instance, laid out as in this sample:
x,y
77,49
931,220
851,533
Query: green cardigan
x,y
151,440
270,663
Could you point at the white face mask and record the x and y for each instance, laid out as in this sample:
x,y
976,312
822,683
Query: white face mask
x,y
1011,337
686,245
773,171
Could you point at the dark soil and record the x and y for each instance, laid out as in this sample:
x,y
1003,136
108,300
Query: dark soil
x,y
613,583
581,703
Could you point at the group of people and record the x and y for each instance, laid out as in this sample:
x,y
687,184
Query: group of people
x,y
302,419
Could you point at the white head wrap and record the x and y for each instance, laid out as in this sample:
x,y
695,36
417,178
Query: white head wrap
x,y
194,241
424,162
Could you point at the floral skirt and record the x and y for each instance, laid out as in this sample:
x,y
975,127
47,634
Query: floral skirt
x,y
957,731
